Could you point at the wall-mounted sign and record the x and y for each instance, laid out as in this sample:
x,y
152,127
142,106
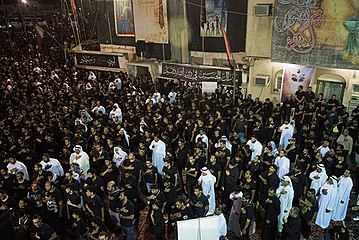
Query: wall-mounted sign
x,y
199,73
97,60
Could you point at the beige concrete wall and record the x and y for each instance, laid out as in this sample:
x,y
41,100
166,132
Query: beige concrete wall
x,y
259,31
266,67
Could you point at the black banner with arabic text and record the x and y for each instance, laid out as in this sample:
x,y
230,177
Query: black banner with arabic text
x,y
97,60
199,74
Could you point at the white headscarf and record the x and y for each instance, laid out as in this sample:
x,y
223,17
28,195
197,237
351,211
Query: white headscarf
x,y
274,148
335,180
141,127
209,174
127,137
82,159
117,113
118,156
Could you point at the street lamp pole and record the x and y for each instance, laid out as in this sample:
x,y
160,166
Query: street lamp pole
x,y
6,23
21,15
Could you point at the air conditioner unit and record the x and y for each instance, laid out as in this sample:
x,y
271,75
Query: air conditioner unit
x,y
263,10
261,80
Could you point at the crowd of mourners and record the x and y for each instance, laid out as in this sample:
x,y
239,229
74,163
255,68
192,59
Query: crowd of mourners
x,y
85,155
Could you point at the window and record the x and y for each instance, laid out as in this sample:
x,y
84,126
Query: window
x,y
355,88
278,81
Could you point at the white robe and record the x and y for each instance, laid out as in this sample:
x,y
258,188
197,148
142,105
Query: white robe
x,y
55,168
256,148
20,168
222,225
82,159
345,185
204,139
207,183
99,109
318,183
172,97
286,201
119,156
326,202
158,154
116,113
287,133
283,165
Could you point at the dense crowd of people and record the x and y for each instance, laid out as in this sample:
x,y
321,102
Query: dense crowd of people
x,y
84,154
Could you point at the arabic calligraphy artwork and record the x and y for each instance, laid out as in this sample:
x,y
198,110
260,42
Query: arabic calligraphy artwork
x,y
316,32
124,18
213,18
293,77
189,73
86,59
151,23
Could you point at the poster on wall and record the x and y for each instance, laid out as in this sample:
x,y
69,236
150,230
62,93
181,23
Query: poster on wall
x,y
124,18
151,19
213,18
320,33
293,77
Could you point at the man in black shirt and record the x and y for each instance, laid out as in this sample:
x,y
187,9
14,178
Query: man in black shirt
x,y
127,214
94,181
246,216
214,167
308,208
150,175
94,204
157,226
291,226
181,154
170,172
72,199
132,165
156,194
300,184
78,228
223,154
191,170
21,186
54,205
269,179
8,180
6,202
199,202
272,210
184,212
113,201
42,230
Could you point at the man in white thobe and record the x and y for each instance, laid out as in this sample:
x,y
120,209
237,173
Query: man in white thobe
x,y
283,164
345,185
324,148
285,193
327,202
15,166
203,136
80,158
222,223
255,146
52,165
158,148
287,131
172,97
98,108
207,181
119,156
318,177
